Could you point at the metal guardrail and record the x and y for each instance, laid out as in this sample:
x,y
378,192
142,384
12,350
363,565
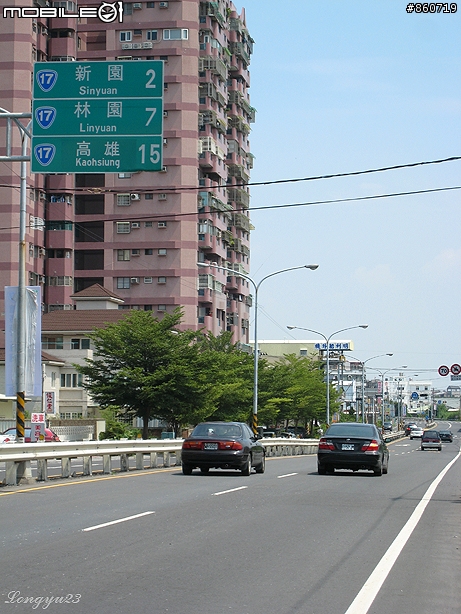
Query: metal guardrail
x,y
18,456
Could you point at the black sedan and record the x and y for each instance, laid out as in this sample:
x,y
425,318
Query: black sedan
x,y
446,436
222,445
352,445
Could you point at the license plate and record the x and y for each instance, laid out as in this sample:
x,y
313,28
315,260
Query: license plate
x,y
210,446
347,446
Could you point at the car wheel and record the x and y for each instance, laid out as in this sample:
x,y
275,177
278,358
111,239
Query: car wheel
x,y
440,449
422,449
386,467
378,470
204,469
262,467
186,468
321,470
246,469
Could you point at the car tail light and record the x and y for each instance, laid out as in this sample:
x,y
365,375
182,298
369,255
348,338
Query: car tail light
x,y
325,444
372,446
230,445
192,445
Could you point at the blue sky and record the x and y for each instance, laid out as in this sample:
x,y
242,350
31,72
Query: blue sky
x,y
342,87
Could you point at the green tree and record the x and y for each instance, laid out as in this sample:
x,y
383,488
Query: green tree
x,y
229,374
148,369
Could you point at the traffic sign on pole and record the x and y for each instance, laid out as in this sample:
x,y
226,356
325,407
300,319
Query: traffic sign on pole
x,y
455,369
97,117
444,370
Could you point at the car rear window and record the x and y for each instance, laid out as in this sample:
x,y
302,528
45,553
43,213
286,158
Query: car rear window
x,y
431,434
351,430
217,430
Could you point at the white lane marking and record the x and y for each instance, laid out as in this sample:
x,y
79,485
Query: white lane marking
x,y
106,524
224,492
370,589
287,475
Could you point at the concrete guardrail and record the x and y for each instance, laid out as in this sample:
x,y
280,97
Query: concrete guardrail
x,y
18,456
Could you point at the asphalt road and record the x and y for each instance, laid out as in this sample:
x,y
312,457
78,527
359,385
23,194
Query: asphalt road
x,y
285,542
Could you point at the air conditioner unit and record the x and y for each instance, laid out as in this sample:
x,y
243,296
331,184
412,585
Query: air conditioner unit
x,y
41,251
135,225
127,46
137,45
124,57
135,197
165,141
163,5
137,5
162,196
164,169
135,280
147,45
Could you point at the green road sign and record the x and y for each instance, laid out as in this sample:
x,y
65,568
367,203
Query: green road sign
x,y
121,117
97,117
97,154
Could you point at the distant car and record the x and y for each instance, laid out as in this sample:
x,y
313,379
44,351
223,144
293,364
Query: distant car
x,y
268,434
352,445
446,436
9,436
416,432
408,426
387,427
222,445
431,439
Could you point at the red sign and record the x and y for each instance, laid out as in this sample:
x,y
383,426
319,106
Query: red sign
x,y
444,370
455,369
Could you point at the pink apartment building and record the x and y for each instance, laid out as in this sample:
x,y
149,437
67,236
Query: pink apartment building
x,y
141,235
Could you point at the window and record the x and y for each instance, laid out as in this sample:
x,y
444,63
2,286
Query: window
x,y
123,227
148,252
147,280
123,254
137,32
149,196
123,283
123,200
148,224
135,252
152,35
52,343
126,37
71,380
161,251
161,280
60,281
161,308
175,34
85,344
151,5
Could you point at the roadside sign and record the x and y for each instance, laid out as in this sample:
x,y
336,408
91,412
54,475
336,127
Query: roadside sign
x,y
414,396
455,369
444,370
97,117
455,378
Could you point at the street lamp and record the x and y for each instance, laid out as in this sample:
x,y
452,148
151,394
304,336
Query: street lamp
x,y
327,339
363,380
382,374
256,286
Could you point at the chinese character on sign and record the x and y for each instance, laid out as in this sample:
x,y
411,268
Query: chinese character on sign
x,y
115,72
114,109
82,73
49,402
82,109
112,149
37,418
83,149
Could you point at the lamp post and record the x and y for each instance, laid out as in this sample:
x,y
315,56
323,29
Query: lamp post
x,y
363,380
256,286
382,374
327,339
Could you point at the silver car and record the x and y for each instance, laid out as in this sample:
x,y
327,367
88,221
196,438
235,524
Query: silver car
x,y
416,432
